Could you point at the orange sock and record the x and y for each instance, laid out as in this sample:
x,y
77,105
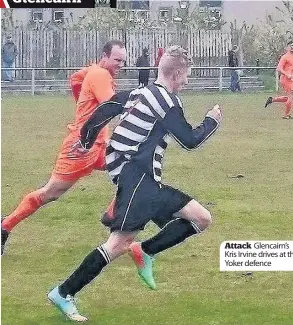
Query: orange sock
x,y
281,99
288,105
30,204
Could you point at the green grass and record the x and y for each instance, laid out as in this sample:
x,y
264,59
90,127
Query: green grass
x,y
44,249
269,79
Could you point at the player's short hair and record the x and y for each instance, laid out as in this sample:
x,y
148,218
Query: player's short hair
x,y
175,58
109,45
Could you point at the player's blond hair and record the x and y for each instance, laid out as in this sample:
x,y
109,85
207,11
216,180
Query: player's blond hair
x,y
175,58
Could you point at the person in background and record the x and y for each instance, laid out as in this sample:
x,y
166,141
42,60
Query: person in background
x,y
157,60
143,61
9,53
233,62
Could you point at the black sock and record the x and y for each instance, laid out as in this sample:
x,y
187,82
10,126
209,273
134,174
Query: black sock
x,y
175,232
90,267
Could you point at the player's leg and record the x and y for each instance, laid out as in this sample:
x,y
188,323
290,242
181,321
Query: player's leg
x,y
288,105
279,99
238,87
140,82
190,219
233,80
287,86
66,173
123,231
143,261
62,296
147,78
32,202
137,200
7,73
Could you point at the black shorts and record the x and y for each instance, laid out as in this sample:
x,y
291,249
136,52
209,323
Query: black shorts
x,y
140,198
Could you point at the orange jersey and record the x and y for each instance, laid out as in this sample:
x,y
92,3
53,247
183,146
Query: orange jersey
x,y
97,87
76,80
286,65
78,76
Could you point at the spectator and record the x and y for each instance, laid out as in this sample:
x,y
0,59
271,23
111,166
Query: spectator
x,y
9,53
233,62
158,58
143,61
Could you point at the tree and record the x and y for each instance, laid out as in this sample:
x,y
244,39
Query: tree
x,y
270,41
287,13
206,18
267,39
106,18
126,17
101,18
248,50
7,20
199,17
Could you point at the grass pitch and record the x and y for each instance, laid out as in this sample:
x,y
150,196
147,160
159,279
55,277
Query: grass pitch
x,y
44,249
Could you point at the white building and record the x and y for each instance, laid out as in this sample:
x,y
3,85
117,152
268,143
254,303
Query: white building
x,y
230,10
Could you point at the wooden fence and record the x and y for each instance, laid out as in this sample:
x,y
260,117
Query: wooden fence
x,y
71,48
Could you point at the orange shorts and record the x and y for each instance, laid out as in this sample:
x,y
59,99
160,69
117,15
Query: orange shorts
x,y
72,169
287,86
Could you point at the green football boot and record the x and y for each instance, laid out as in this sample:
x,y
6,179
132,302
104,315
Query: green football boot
x,y
144,264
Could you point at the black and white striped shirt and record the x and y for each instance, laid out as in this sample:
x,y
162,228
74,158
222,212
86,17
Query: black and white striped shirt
x,y
152,115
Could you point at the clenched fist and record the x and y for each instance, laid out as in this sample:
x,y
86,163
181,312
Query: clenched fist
x,y
216,113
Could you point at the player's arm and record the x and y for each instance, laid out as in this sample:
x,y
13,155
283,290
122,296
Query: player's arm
x,y
187,136
79,75
75,82
101,117
281,67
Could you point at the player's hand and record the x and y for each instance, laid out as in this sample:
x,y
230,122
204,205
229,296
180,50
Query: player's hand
x,y
216,113
77,150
